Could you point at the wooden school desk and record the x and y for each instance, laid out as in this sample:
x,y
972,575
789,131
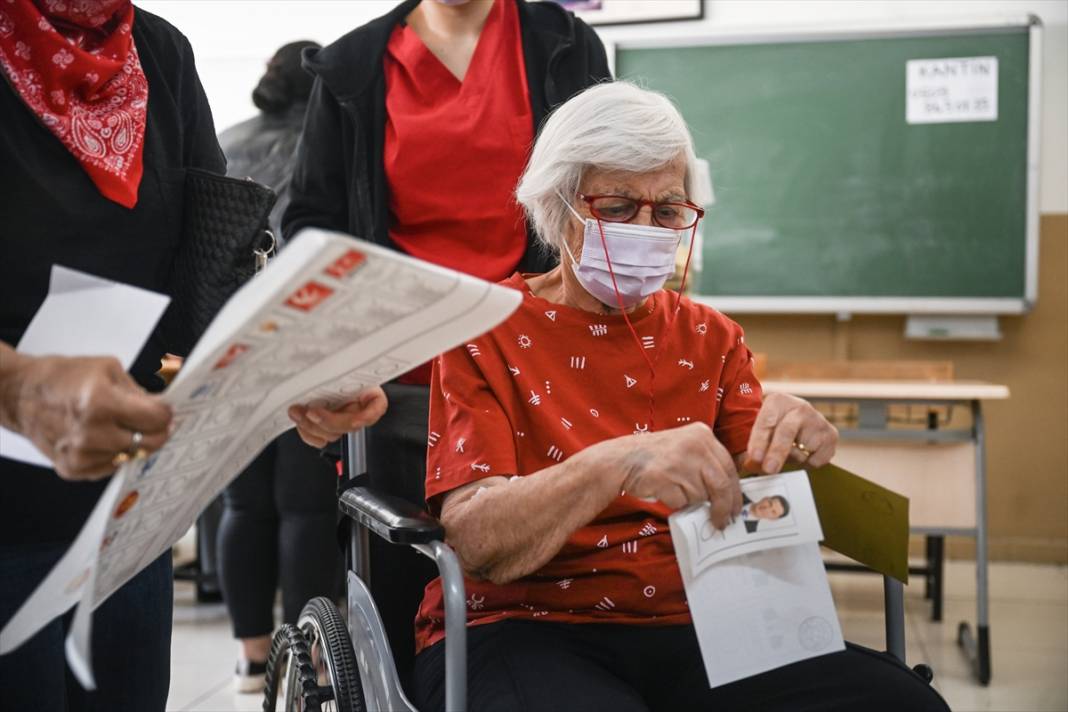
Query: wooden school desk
x,y
942,470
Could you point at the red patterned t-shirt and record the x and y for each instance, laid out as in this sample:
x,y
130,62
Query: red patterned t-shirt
x,y
545,384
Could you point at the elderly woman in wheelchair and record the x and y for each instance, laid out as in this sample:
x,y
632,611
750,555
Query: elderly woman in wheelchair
x,y
562,440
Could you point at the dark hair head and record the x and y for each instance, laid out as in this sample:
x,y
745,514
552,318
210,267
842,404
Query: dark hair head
x,y
784,503
285,83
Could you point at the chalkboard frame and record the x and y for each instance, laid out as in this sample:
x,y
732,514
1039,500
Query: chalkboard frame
x,y
1031,24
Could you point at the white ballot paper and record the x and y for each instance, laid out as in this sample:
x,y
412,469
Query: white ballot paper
x,y
757,590
83,315
329,317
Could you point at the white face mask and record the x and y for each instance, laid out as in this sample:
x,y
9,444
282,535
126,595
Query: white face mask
x,y
642,257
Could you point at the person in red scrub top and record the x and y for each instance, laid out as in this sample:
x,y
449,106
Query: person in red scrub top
x,y
418,127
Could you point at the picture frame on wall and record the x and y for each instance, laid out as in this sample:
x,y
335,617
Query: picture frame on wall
x,y
629,12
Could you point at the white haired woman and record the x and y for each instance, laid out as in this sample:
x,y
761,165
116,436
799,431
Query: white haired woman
x,y
602,405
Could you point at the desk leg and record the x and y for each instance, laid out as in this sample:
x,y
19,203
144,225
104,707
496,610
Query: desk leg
x,y
977,647
936,568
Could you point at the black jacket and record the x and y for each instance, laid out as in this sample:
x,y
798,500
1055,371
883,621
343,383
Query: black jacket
x,y
340,183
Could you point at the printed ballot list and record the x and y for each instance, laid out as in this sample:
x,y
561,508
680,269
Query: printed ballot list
x,y
328,318
757,590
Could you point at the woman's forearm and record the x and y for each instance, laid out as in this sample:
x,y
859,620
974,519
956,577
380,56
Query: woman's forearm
x,y
512,528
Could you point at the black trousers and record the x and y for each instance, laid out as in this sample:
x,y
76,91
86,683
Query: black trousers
x,y
278,527
523,666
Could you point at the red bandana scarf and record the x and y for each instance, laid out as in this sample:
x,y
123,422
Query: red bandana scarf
x,y
75,66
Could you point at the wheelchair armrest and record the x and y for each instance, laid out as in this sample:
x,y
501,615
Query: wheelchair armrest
x,y
396,520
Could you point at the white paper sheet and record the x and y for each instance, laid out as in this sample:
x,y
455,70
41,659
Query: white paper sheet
x,y
761,604
83,315
951,90
328,318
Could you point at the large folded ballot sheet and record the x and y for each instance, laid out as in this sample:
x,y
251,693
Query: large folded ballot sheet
x,y
330,317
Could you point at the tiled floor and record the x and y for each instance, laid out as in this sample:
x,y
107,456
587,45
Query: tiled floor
x,y
1029,635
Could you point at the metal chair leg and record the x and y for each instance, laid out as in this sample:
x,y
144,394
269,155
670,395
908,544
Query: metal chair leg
x,y
894,611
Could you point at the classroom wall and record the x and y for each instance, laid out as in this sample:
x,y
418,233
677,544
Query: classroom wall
x,y
1028,449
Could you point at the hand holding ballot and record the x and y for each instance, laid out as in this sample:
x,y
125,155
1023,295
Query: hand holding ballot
x,y
789,429
320,426
83,413
684,466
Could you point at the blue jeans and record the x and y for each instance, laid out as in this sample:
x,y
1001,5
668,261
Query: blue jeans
x,y
131,642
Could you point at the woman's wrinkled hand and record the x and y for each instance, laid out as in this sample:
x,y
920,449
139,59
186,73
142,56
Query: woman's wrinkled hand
x,y
789,429
683,466
320,426
81,412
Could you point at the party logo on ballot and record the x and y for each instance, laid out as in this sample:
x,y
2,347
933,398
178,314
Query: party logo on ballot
x,y
344,266
309,296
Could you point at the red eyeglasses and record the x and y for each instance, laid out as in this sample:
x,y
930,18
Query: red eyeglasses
x,y
618,208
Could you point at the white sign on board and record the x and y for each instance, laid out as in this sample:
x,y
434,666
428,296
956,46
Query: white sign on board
x,y
951,90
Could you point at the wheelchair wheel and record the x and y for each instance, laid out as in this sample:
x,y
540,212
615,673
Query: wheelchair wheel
x,y
290,673
337,675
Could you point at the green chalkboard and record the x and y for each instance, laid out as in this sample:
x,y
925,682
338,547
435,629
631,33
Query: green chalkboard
x,y
823,189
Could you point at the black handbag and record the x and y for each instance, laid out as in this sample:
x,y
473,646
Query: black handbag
x,y
225,240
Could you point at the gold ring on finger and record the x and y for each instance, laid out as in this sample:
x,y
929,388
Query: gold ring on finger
x,y
803,450
120,459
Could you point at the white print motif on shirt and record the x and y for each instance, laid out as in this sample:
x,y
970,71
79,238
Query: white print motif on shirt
x,y
524,341
630,547
535,399
566,423
598,329
719,394
631,382
548,388
476,602
480,467
565,584
649,591
460,444
473,350
640,428
551,314
745,389
702,328
686,364
648,530
595,413
648,342
605,604
578,362
683,419
555,453
603,543
514,371
432,439
705,385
